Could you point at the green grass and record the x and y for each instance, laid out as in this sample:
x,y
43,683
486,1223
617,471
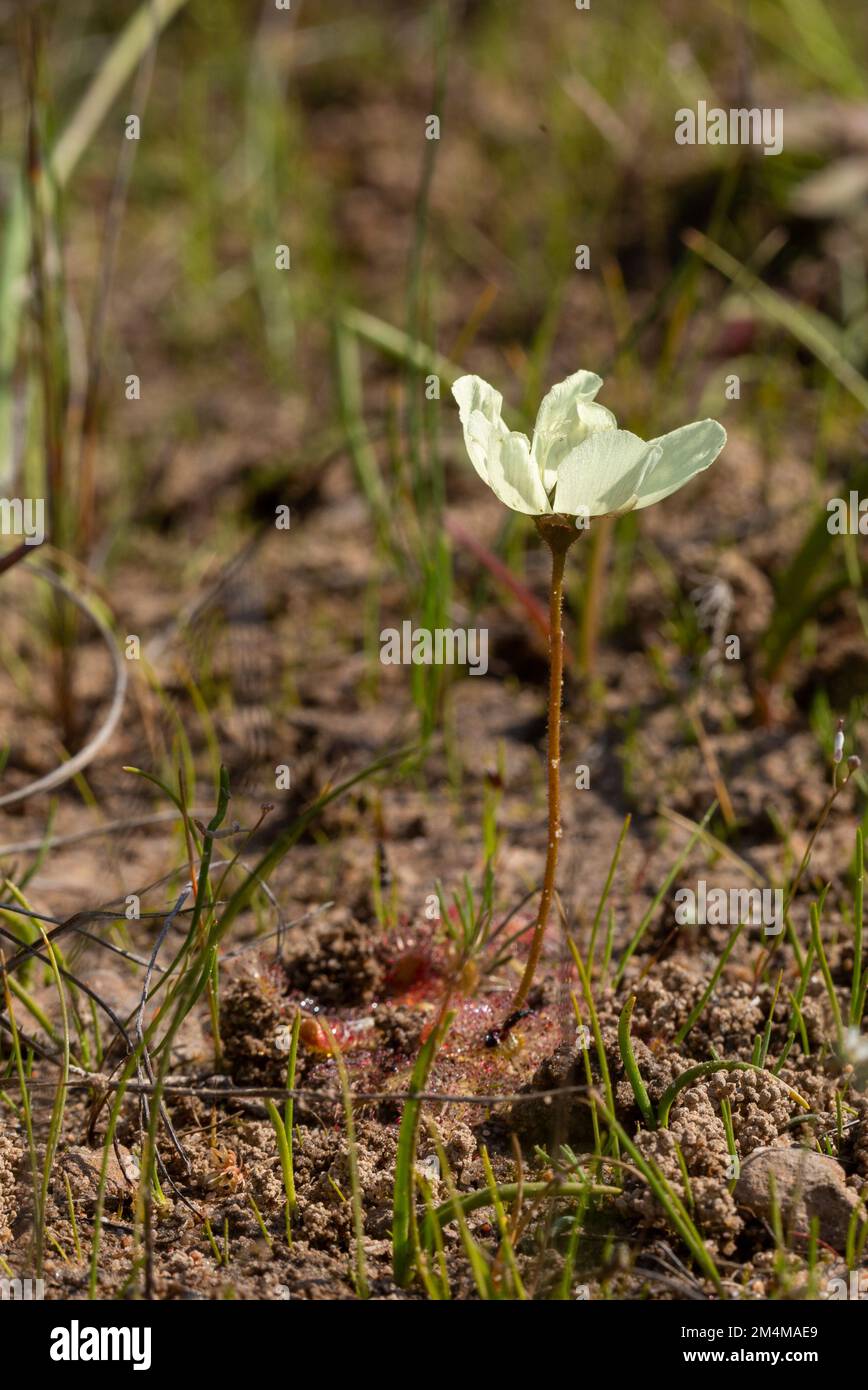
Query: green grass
x,y
404,1200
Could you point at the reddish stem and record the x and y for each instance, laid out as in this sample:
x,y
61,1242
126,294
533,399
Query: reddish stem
x,y
558,535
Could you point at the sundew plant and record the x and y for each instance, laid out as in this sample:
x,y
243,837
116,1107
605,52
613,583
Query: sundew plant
x,y
577,466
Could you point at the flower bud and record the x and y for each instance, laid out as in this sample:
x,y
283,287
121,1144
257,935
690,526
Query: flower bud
x,y
838,752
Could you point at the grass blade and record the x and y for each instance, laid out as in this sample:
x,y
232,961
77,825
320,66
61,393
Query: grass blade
x,y
402,1245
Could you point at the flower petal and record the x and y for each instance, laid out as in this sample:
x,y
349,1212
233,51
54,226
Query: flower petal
x,y
514,478
560,401
590,418
683,453
501,457
476,398
604,474
566,416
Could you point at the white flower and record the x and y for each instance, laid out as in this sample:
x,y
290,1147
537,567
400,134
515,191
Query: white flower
x,y
579,462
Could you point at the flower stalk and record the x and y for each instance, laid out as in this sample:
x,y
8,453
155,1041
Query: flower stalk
x,y
578,465
558,534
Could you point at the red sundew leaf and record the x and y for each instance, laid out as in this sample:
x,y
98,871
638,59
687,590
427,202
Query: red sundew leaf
x,y
313,1036
411,975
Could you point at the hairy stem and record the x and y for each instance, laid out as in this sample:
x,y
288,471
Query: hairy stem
x,y
558,536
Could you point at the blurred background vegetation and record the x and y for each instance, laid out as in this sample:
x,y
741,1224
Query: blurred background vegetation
x,y
411,257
